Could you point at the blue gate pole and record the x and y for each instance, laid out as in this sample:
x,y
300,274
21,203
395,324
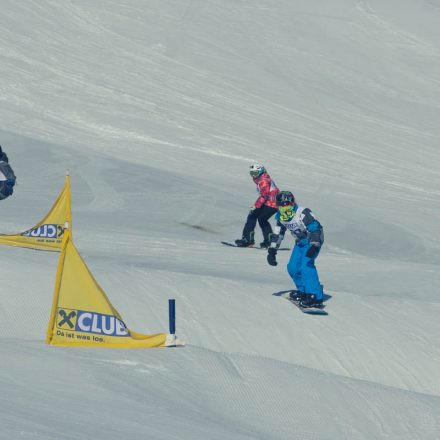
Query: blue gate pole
x,y
172,315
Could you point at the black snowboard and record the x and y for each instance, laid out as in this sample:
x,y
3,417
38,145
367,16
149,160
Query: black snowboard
x,y
227,243
308,310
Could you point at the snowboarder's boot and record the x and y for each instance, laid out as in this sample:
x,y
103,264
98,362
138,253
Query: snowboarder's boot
x,y
267,237
265,244
267,240
296,295
310,301
246,241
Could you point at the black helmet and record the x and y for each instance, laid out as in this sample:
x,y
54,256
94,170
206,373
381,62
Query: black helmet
x,y
284,198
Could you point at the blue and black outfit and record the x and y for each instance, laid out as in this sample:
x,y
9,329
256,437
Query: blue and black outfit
x,y
309,237
7,176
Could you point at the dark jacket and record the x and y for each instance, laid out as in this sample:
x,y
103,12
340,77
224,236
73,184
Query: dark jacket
x,y
7,176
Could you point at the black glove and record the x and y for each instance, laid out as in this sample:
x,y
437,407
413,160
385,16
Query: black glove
x,y
271,256
313,250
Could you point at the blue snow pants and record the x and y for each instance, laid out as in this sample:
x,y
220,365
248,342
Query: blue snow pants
x,y
303,271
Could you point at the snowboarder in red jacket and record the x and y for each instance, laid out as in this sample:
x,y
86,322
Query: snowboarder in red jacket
x,y
262,210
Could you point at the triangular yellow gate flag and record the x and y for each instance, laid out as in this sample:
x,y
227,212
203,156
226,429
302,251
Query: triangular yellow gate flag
x,y
83,316
48,234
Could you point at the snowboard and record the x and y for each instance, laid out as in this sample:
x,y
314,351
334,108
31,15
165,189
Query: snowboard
x,y
227,243
307,310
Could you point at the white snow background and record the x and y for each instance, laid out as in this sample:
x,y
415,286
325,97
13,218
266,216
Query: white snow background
x,y
158,108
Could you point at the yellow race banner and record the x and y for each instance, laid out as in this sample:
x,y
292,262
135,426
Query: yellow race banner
x,y
48,234
83,316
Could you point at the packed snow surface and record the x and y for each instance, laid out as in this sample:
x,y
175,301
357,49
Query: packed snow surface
x,y
158,108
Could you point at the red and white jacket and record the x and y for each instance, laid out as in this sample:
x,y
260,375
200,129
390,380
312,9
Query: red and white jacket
x,y
267,191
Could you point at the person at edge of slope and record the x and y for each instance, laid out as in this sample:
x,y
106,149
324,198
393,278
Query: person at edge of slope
x,y
262,210
7,176
309,237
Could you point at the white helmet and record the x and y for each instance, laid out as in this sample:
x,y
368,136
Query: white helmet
x,y
256,170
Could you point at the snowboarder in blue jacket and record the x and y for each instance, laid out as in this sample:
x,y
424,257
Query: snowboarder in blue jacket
x,y
309,237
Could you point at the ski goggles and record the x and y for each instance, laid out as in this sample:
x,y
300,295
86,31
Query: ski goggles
x,y
284,203
255,173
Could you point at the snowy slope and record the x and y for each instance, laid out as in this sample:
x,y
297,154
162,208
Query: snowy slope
x,y
158,108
